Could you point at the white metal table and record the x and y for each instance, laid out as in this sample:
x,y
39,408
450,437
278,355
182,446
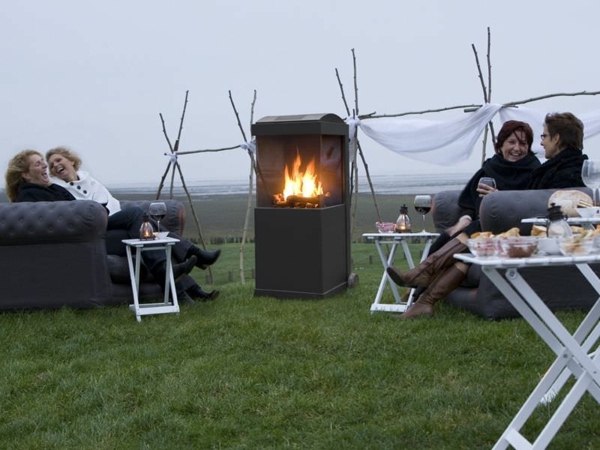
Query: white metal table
x,y
570,220
393,240
575,357
166,306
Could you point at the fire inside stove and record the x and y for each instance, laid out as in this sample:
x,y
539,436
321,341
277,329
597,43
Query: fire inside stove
x,y
302,188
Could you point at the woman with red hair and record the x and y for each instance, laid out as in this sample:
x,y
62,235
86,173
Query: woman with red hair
x,y
511,167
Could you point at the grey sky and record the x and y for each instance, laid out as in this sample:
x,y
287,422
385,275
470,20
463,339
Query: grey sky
x,y
95,75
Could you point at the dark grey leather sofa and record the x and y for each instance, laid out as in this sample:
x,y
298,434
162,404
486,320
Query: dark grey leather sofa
x,y
52,255
560,287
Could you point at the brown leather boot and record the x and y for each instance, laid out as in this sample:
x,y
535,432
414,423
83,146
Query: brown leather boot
x,y
449,280
425,272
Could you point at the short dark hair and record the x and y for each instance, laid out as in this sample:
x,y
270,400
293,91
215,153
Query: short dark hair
x,y
568,127
509,128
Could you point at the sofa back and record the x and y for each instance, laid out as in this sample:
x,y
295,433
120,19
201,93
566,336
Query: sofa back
x,y
498,212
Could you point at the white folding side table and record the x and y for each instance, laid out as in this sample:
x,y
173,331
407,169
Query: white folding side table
x,y
165,245
393,240
575,357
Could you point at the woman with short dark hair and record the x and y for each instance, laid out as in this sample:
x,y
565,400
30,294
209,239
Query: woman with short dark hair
x,y
562,140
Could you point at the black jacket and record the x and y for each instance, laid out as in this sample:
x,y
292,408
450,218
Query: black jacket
x,y
561,171
509,176
30,192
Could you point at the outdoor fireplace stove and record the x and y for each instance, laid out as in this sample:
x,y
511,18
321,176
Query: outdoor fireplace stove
x,y
302,239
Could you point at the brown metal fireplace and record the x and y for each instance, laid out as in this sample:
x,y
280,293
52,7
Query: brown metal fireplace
x,y
301,219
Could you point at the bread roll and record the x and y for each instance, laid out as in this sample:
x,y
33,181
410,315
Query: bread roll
x,y
538,230
568,201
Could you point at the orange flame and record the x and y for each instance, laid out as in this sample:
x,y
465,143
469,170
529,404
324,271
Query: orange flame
x,y
304,184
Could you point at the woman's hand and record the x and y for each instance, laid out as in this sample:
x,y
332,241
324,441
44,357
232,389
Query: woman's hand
x,y
458,226
484,189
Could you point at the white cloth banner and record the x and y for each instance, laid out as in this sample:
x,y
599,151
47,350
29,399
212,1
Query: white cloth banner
x,y
452,141
436,142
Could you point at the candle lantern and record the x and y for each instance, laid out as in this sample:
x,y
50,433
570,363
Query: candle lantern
x,y
146,230
403,222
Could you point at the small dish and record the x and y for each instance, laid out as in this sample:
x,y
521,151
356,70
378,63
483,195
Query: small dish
x,y
483,247
519,247
161,234
576,245
588,213
549,246
385,227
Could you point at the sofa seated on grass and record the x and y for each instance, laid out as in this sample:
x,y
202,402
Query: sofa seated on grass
x,y
560,287
53,254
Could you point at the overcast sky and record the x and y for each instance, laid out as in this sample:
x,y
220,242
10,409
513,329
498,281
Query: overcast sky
x,y
95,75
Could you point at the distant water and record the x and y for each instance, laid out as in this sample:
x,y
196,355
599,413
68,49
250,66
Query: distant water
x,y
383,184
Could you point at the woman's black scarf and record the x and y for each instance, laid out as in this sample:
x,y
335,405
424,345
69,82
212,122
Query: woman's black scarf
x,y
509,176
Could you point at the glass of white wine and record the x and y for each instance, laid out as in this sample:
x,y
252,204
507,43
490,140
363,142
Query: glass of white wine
x,y
590,174
423,206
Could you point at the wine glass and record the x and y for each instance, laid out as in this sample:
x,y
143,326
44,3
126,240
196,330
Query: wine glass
x,y
423,206
488,181
590,174
157,211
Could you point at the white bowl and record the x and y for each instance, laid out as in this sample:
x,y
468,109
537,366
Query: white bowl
x,y
587,213
549,246
385,227
161,234
483,247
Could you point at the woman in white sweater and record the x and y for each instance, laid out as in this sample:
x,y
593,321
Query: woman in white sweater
x,y
65,170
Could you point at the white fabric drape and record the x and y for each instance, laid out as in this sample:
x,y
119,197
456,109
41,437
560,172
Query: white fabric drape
x,y
451,141
437,142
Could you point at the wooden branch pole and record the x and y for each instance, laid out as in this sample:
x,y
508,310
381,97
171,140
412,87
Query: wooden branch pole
x,y
359,148
253,168
485,98
413,113
162,180
174,150
355,83
190,152
337,75
237,116
489,95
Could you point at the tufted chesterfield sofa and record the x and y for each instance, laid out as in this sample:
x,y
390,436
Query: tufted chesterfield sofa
x,y
52,255
499,212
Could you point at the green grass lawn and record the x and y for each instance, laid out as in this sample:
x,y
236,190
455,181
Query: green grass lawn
x,y
259,373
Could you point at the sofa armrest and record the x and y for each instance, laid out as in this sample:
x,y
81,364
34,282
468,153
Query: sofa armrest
x,y
174,220
53,254
445,210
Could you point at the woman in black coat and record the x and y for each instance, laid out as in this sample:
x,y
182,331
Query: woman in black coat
x,y
440,273
562,140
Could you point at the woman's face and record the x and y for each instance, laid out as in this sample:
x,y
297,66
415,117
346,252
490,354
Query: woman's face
x,y
62,167
37,173
515,147
550,143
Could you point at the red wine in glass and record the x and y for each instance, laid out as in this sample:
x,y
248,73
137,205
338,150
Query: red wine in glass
x,y
423,206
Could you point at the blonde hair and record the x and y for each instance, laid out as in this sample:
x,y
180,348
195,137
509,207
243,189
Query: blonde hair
x,y
67,153
17,166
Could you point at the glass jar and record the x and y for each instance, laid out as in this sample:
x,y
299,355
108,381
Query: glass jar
x,y
146,230
403,221
557,222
